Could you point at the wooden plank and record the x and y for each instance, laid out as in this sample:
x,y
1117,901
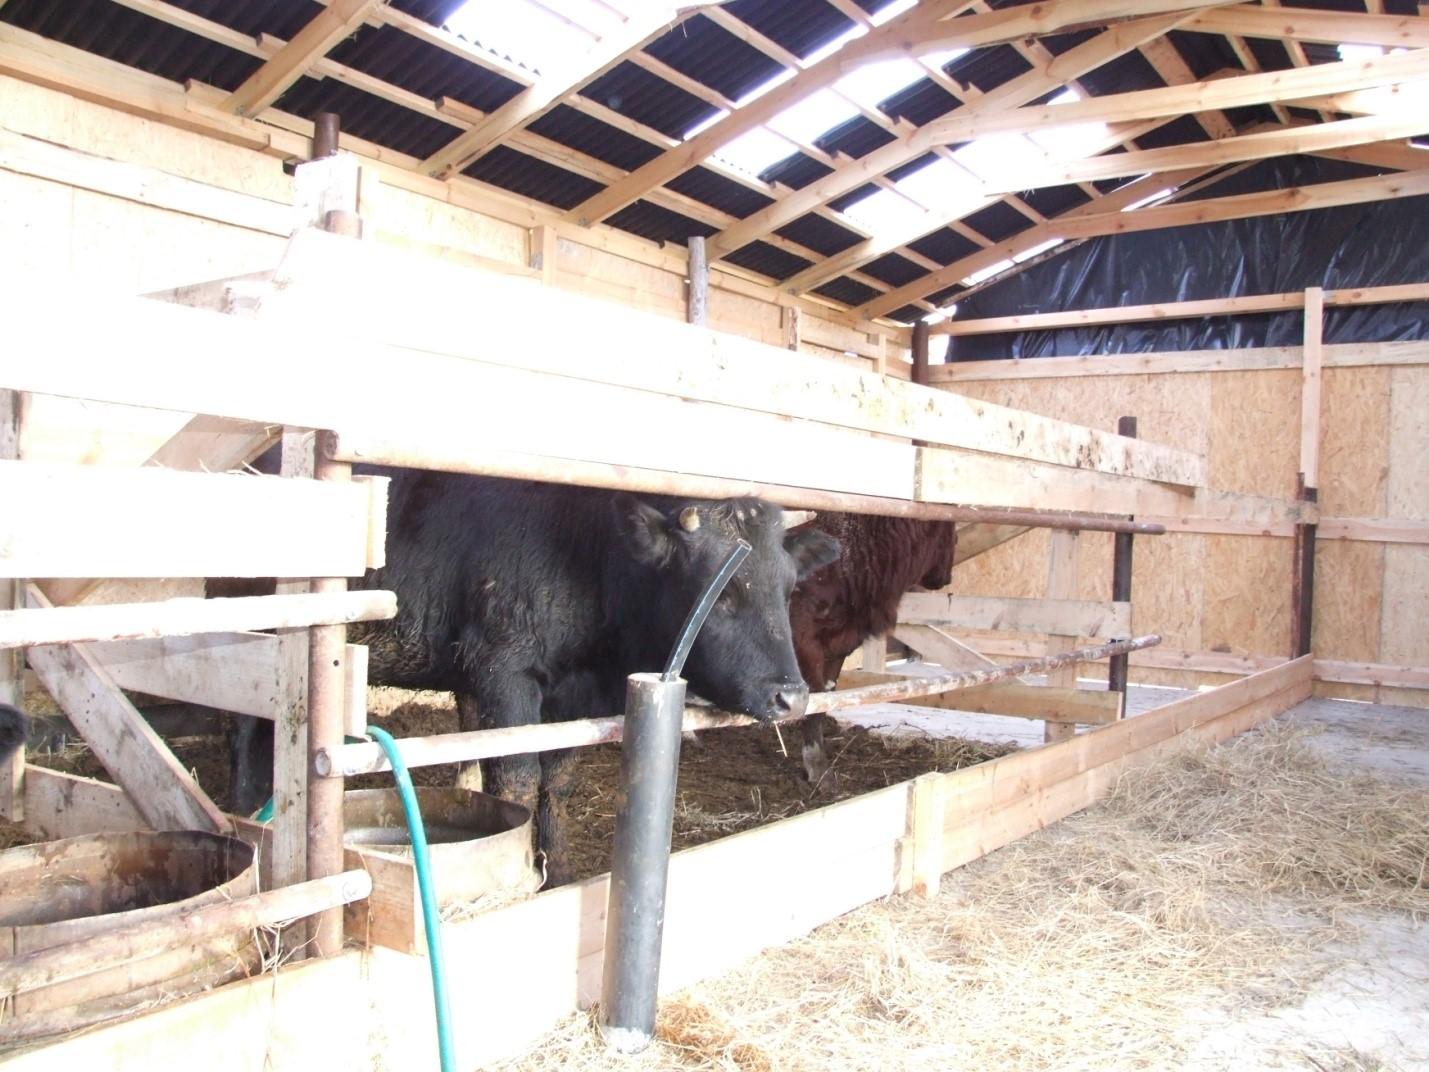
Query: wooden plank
x,y
230,671
12,663
1326,27
164,793
1070,617
191,524
1373,529
1337,355
1311,355
1353,673
46,624
1062,585
936,646
594,340
978,538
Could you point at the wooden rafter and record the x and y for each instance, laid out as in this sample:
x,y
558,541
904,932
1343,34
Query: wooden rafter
x,y
1141,104
543,94
311,43
1323,27
925,28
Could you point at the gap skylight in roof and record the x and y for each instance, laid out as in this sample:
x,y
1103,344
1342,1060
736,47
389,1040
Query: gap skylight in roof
x,y
945,188
998,156
814,116
883,211
874,83
541,34
986,273
754,151
1072,141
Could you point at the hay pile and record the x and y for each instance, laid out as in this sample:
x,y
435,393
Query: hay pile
x,y
1109,942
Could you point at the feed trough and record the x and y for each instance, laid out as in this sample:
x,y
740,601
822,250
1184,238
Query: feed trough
x,y
81,888
480,850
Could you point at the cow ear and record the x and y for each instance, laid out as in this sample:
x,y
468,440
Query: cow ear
x,y
811,549
645,529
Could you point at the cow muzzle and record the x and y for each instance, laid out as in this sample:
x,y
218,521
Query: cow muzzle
x,y
790,701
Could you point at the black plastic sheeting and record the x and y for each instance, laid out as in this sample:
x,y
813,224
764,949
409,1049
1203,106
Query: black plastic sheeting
x,y
1373,244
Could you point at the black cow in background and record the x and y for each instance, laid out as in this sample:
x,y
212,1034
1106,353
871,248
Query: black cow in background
x,y
838,607
14,727
533,602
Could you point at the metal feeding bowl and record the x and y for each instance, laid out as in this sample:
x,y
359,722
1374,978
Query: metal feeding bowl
x,y
480,848
81,888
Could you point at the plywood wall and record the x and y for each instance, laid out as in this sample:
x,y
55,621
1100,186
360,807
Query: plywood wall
x,y
1231,594
83,239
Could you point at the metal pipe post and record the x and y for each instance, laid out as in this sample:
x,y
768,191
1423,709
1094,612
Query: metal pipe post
x,y
1120,577
640,861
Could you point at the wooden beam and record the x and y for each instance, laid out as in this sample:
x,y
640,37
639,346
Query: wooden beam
x,y
938,647
327,28
1088,56
1131,314
1364,130
539,97
969,123
165,794
235,671
975,539
1352,673
184,617
1310,386
1064,615
193,524
1324,27
1336,355
1373,529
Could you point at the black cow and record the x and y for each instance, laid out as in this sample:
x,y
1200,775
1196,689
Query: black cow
x,y
534,602
838,607
14,727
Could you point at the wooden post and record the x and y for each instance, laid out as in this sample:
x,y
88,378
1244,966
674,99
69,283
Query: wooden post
x,y
697,311
327,681
920,352
1120,577
926,814
875,654
1062,584
789,320
542,252
1302,586
12,595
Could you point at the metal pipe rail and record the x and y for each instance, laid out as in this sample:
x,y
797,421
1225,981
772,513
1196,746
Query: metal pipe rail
x,y
365,758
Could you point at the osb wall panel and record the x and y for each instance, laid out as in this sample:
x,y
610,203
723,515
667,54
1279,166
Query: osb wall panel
x,y
1254,444
1354,441
1231,593
127,245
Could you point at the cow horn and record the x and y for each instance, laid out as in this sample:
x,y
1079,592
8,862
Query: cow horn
x,y
689,519
794,518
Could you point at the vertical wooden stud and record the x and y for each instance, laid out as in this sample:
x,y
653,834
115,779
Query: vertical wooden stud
x,y
1062,584
1121,578
12,660
927,834
698,301
789,320
543,252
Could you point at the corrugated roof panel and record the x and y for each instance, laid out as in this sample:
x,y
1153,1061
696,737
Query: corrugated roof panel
x,y
1204,53
944,246
1182,130
1065,42
868,189
658,224
1055,200
522,174
905,314
399,58
920,103
795,171
821,235
434,11
894,270
127,37
635,92
704,184
857,137
768,260
801,26
846,290
366,116
589,135
988,68
713,56
1272,55
1128,72
281,18
997,221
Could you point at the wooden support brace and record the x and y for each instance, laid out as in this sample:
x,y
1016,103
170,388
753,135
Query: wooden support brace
x,y
163,791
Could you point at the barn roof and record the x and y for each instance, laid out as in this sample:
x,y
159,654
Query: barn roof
x,y
884,156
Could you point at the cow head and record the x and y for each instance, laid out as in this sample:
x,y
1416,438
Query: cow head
x,y
743,659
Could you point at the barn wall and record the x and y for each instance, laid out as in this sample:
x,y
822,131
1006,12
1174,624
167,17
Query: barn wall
x,y
56,226
1231,594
